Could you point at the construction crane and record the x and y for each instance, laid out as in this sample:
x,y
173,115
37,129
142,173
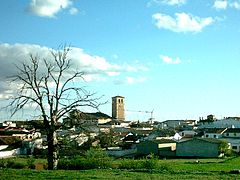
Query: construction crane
x,y
150,112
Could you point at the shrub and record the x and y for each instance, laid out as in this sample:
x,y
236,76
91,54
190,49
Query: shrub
x,y
18,165
94,158
63,164
3,163
129,164
149,164
69,164
164,168
31,163
9,163
14,165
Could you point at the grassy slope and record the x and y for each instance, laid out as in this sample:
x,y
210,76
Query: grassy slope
x,y
109,174
179,169
203,165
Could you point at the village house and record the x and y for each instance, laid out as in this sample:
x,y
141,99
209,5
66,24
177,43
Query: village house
x,y
187,133
160,147
198,147
232,135
184,124
214,132
170,124
7,124
21,133
229,122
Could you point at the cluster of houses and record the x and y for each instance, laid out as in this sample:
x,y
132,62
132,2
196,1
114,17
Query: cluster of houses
x,y
15,140
186,138
170,138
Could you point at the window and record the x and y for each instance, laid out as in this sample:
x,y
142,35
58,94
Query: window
x,y
234,147
215,136
207,135
227,134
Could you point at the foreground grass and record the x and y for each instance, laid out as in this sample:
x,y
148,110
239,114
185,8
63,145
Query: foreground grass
x,y
206,165
175,169
110,174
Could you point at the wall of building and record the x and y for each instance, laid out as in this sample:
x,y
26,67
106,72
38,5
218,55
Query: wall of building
x,y
167,152
147,147
197,148
122,153
212,135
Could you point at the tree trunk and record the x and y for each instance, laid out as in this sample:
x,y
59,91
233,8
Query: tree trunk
x,y
52,149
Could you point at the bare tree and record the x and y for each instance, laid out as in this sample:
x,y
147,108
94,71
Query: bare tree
x,y
50,85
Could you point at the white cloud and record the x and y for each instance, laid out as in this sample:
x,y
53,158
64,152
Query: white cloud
x,y
6,94
224,4
129,80
91,64
220,4
96,68
235,4
136,68
169,60
92,77
173,2
48,8
133,80
182,23
73,11
167,2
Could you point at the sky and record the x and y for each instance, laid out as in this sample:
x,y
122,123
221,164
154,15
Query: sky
x,y
179,58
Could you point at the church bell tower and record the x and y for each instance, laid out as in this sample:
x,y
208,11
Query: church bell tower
x,y
118,108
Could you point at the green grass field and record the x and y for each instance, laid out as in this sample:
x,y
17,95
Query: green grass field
x,y
176,169
111,174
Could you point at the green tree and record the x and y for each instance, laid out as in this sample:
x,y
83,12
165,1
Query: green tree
x,y
106,140
224,147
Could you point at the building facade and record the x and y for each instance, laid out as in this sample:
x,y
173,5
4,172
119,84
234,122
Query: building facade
x,y
198,147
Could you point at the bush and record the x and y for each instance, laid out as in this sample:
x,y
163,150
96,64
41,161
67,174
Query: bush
x,y
145,163
63,164
3,163
18,165
149,164
94,158
9,163
14,165
130,164
31,163
164,168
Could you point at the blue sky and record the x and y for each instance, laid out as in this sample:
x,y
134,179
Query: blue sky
x,y
178,57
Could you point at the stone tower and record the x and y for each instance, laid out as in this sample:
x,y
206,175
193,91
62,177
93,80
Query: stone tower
x,y
118,108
